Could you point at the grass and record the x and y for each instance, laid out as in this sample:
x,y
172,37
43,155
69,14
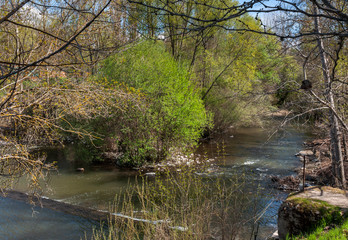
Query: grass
x,y
317,217
337,233
183,205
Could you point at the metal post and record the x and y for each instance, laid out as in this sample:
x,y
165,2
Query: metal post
x,y
304,172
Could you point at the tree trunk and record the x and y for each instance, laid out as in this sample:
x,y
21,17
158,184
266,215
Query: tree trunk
x,y
345,147
336,144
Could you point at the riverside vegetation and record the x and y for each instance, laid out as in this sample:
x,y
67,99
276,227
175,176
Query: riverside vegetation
x,y
137,82
185,205
138,103
323,233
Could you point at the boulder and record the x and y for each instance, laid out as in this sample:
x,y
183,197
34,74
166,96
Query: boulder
x,y
308,154
302,212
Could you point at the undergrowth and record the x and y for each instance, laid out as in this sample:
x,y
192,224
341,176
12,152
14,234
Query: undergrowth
x,y
339,232
187,204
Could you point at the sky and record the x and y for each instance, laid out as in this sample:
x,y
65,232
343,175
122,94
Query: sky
x,y
266,18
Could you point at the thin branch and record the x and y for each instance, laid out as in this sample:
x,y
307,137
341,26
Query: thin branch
x,y
3,78
13,11
331,108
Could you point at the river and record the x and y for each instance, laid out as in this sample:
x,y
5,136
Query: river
x,y
247,151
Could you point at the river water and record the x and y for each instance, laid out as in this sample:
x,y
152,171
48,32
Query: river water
x,y
248,151
21,221
259,154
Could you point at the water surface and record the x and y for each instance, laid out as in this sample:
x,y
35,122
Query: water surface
x,y
247,151
252,152
21,221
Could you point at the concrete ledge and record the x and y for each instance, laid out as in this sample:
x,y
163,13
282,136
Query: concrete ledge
x,y
58,206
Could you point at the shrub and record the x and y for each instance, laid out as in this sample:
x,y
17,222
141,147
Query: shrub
x,y
170,114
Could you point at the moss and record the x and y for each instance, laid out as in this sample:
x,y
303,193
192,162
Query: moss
x,y
310,204
333,190
326,213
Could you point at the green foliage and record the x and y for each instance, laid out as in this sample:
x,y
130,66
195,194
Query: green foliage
x,y
339,232
171,113
234,69
330,216
290,79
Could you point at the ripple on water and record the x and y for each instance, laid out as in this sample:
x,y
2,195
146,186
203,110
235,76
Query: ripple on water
x,y
262,169
249,153
251,162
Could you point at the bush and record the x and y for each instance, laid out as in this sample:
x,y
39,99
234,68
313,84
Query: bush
x,y
169,114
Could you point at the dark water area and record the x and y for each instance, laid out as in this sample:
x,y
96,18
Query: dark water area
x,y
21,221
247,151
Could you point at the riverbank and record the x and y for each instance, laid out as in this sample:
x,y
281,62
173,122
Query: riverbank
x,y
316,170
305,212
318,167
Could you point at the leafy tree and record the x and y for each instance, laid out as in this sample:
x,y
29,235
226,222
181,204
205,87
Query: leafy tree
x,y
234,69
174,114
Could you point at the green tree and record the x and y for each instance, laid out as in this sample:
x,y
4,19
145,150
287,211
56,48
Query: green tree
x,y
174,114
